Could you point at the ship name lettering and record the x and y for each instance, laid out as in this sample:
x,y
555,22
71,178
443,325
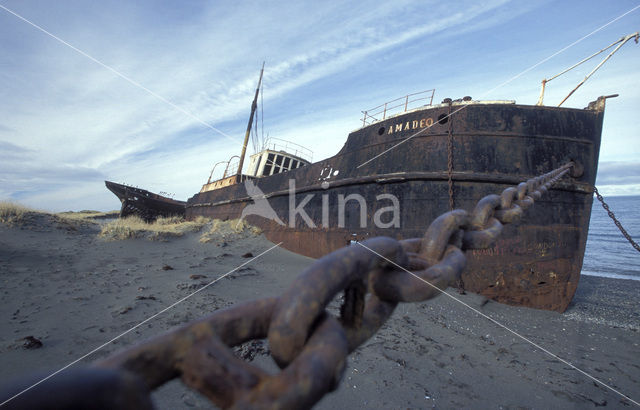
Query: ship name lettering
x,y
410,125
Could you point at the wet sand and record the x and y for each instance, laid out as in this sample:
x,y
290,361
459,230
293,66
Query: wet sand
x,y
72,291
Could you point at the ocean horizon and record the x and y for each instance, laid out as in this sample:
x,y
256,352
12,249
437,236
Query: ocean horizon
x,y
608,253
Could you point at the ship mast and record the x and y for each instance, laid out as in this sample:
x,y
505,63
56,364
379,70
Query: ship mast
x,y
254,105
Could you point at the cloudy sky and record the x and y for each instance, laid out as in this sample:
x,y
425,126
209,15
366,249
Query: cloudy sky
x,y
153,93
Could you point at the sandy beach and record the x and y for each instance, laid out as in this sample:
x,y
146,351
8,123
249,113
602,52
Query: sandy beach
x,y
73,291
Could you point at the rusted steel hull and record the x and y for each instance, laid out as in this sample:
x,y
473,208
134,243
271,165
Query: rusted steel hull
x,y
536,262
147,205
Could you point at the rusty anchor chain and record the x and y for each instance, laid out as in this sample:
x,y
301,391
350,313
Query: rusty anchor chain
x,y
450,156
615,220
308,343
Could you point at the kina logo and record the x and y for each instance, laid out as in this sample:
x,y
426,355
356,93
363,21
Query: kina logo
x,y
260,205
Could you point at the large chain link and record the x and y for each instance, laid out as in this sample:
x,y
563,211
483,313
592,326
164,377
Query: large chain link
x,y
308,343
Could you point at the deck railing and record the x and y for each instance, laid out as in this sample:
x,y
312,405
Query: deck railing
x,y
277,144
397,106
230,168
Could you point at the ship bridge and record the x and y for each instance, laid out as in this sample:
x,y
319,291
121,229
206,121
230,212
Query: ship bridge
x,y
278,156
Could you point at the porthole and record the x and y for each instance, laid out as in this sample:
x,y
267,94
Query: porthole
x,y
381,131
443,118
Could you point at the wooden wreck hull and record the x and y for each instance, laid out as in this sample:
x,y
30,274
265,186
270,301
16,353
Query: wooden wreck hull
x,y
535,263
146,204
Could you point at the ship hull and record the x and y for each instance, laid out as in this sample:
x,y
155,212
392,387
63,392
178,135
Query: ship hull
x,y
145,204
535,263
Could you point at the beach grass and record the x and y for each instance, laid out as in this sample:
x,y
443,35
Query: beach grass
x,y
87,215
12,213
162,228
220,231
71,218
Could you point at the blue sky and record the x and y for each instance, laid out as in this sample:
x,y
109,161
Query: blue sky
x,y
68,123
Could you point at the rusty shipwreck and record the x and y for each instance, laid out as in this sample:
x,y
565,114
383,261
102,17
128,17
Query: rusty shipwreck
x,y
411,161
481,149
145,204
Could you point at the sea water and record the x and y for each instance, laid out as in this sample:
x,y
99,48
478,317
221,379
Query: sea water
x,y
608,252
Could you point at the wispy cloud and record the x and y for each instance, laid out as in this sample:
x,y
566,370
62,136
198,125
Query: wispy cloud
x,y
618,173
10,151
618,178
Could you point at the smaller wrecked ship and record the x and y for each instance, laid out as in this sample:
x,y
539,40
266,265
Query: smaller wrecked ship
x,y
147,205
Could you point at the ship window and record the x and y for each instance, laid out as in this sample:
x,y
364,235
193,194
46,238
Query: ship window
x,y
294,164
287,162
278,159
270,159
267,169
443,118
381,131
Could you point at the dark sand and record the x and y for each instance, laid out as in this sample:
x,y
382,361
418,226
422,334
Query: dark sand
x,y
74,292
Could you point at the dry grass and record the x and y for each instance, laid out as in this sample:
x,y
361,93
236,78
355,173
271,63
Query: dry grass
x,y
162,228
130,227
83,219
12,213
221,231
86,215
